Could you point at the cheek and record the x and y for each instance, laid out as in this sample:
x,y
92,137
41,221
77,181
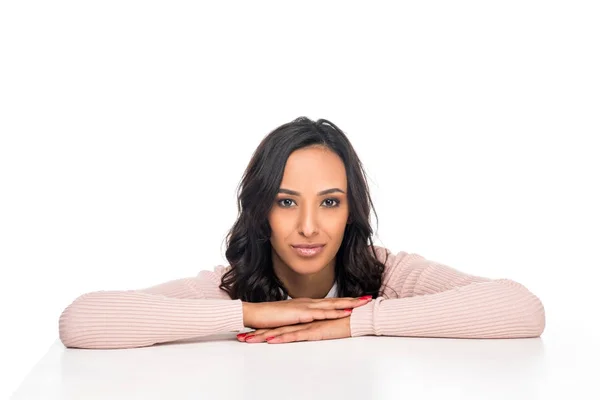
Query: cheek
x,y
279,225
338,222
339,229
334,227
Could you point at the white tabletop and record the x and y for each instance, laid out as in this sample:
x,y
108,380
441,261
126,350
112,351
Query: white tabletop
x,y
219,367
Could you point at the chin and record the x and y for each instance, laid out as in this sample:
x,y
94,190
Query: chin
x,y
307,266
302,270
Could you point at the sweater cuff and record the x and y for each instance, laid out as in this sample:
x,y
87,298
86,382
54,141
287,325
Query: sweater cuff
x,y
231,316
361,319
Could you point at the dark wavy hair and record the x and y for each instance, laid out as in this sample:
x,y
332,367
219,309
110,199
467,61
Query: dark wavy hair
x,y
251,278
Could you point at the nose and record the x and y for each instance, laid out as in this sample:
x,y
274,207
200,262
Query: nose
x,y
308,225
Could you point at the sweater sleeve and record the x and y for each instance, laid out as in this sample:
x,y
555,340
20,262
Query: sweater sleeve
x,y
175,310
423,298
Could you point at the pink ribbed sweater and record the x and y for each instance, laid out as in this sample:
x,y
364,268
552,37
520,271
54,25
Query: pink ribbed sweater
x,y
419,298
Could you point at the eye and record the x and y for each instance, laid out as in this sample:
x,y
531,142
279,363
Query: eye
x,y
282,200
330,203
336,201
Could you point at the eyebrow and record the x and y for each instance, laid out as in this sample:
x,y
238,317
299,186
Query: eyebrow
x,y
321,193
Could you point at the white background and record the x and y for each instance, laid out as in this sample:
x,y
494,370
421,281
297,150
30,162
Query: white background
x,y
126,126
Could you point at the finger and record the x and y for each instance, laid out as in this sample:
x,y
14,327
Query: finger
x,y
268,333
328,314
297,336
341,303
241,337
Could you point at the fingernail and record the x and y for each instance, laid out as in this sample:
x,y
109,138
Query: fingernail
x,y
249,337
369,297
348,309
271,337
241,335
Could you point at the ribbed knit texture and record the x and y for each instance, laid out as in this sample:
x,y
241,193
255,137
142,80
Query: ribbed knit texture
x,y
419,297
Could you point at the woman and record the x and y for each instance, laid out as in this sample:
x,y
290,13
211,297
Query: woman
x,y
302,266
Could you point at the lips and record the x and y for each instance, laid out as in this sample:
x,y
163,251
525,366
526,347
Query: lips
x,y
308,250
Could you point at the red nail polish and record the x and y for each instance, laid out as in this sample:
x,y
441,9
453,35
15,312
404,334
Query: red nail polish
x,y
271,337
348,309
369,297
241,335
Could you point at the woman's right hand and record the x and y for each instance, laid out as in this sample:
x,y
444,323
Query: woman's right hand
x,y
274,314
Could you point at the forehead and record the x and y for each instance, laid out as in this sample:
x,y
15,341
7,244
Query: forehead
x,y
312,169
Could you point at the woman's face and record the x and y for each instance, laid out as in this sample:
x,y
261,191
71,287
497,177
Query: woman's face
x,y
301,214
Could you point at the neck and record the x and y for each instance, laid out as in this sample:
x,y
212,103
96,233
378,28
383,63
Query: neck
x,y
313,286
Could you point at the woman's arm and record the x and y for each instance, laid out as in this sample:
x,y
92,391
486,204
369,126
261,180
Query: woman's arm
x,y
429,299
174,310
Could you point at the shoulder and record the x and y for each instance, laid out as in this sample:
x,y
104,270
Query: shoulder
x,y
216,274
393,259
399,267
208,282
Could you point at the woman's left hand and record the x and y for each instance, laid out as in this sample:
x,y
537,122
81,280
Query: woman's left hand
x,y
317,330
